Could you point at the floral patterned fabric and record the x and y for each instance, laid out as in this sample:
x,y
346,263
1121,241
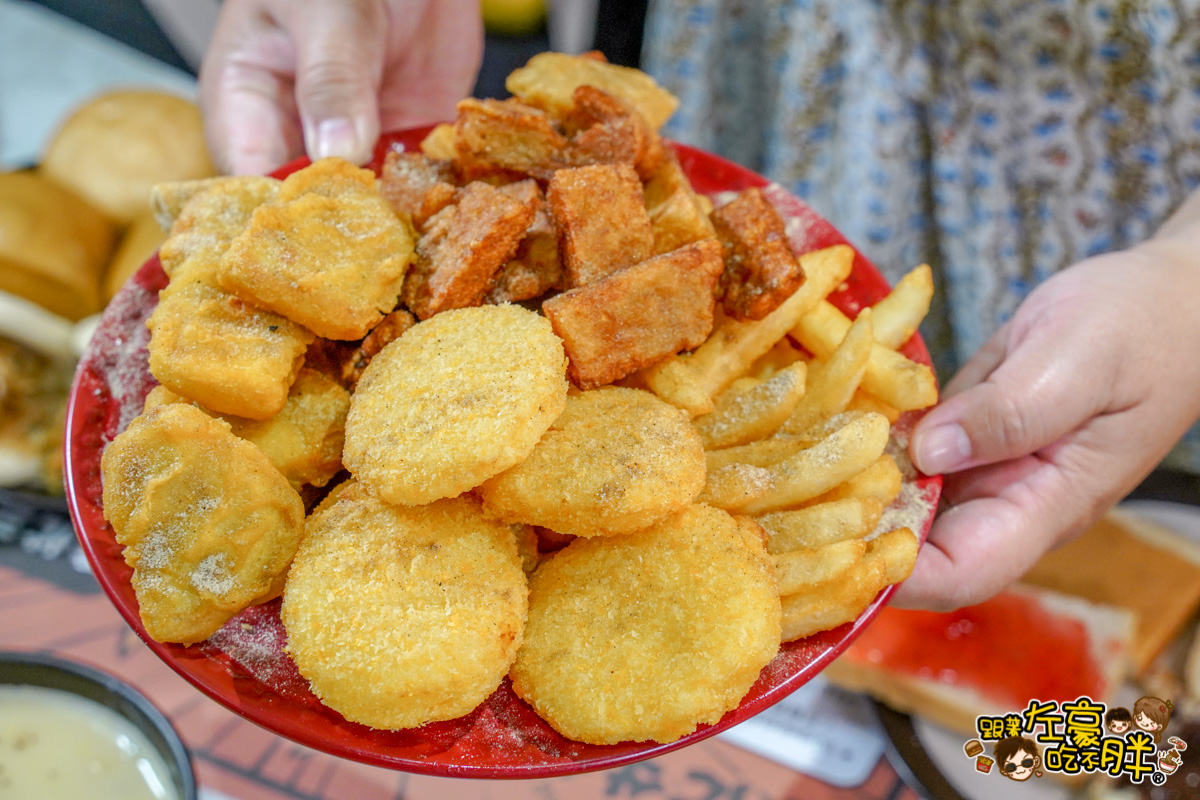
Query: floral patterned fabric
x,y
997,140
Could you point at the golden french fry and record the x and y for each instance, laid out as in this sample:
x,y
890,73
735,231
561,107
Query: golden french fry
x,y
903,384
754,412
821,524
781,354
734,486
881,481
863,401
734,346
672,381
804,569
762,453
898,315
811,472
440,142
834,603
833,383
897,551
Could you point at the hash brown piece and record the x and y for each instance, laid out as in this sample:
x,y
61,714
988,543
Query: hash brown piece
x,y
760,269
463,248
616,461
208,524
455,400
601,219
638,316
647,636
330,254
509,135
398,616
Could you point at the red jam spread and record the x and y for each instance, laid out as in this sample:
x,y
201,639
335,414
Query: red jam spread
x,y
1009,649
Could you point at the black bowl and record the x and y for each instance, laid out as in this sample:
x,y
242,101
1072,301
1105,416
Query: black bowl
x,y
34,669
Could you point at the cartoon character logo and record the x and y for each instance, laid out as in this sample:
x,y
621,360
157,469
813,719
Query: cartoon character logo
x,y
1152,715
1118,720
1018,758
1169,761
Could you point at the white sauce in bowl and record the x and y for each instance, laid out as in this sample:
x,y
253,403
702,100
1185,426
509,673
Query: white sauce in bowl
x,y
54,744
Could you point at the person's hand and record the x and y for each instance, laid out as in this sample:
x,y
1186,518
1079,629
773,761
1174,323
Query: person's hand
x,y
1064,410
283,77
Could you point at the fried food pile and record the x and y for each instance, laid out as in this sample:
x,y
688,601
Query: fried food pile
x,y
572,424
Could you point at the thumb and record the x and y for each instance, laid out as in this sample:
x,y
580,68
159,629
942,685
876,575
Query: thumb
x,y
1016,397
340,47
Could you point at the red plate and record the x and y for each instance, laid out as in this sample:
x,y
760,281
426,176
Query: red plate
x,y
243,665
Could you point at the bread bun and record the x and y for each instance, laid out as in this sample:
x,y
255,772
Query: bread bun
x,y
115,147
879,663
138,243
53,245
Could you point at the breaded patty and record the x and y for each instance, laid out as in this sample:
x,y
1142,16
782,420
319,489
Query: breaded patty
x,y
401,615
330,254
208,525
616,461
648,635
457,399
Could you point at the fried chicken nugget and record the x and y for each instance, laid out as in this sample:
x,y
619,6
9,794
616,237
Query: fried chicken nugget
x,y
304,440
457,399
208,525
616,461
646,636
330,254
211,347
206,344
399,616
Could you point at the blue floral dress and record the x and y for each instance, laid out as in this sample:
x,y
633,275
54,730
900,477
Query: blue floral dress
x,y
997,140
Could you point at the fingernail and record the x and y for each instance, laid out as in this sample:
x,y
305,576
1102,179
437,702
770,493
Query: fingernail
x,y
336,137
943,449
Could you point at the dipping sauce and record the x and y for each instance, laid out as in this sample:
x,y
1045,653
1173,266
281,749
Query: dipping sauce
x,y
55,744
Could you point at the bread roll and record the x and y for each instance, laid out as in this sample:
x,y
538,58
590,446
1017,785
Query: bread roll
x,y
118,145
53,245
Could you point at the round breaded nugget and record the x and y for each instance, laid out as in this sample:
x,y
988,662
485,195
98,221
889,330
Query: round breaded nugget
x,y
648,635
455,400
401,615
616,461
208,524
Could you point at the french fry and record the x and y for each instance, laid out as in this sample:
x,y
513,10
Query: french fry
x,y
823,428
672,381
834,603
440,142
800,570
897,551
898,315
762,453
881,481
735,486
863,401
833,383
890,376
781,354
756,412
821,524
811,472
734,345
